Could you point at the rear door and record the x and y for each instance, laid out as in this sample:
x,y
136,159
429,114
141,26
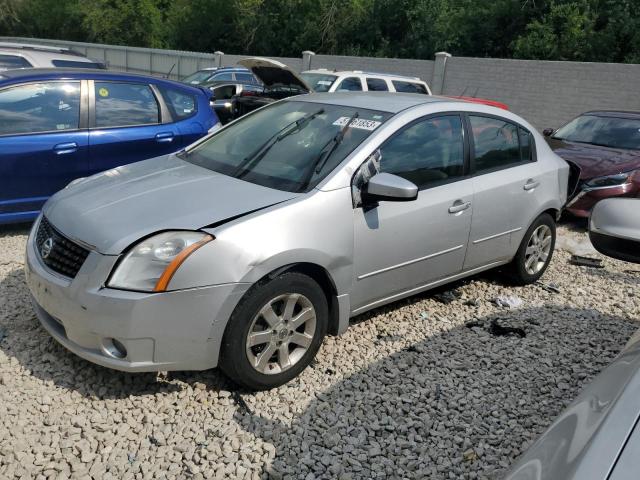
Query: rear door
x,y
126,124
506,188
43,143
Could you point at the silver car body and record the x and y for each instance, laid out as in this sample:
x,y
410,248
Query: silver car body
x,y
597,437
367,258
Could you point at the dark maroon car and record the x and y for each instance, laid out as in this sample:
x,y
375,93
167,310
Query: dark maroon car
x,y
605,145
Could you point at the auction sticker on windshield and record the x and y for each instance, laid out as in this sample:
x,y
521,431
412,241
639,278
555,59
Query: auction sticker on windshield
x,y
360,123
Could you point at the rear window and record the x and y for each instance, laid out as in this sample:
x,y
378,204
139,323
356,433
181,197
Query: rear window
x,y
9,62
409,87
181,104
222,77
76,64
377,85
499,144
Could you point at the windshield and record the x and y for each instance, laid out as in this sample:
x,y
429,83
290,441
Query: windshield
x,y
319,82
604,131
289,145
198,77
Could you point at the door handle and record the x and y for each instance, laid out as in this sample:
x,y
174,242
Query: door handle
x,y
459,206
164,137
65,148
531,184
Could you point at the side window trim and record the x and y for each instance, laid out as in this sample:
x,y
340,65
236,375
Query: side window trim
x,y
466,173
471,142
83,113
92,105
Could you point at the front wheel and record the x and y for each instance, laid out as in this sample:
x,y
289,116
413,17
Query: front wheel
x,y
275,332
535,251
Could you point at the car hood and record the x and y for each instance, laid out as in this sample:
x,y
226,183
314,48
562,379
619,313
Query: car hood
x,y
112,210
271,72
594,160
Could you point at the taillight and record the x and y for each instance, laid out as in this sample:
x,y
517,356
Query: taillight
x,y
248,93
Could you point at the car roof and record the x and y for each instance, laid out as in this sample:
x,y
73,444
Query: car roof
x,y
614,113
34,74
222,69
360,72
384,101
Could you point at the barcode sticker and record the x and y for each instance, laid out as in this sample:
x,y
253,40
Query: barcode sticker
x,y
360,123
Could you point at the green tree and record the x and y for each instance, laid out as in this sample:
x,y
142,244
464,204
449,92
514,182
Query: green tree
x,y
125,22
563,34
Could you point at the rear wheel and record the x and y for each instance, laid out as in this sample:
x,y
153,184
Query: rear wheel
x,y
275,332
535,251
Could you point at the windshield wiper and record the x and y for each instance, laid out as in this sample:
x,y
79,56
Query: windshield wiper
x,y
325,153
252,159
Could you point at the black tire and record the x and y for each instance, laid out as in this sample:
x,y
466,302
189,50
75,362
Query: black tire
x,y
235,362
517,270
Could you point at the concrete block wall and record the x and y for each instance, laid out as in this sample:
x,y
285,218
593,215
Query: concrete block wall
x,y
547,94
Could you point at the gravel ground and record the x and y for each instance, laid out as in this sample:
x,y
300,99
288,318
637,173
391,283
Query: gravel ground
x,y
423,388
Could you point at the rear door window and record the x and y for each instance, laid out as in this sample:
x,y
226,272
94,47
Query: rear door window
x,y
498,143
377,85
125,104
350,84
222,77
408,87
181,104
245,78
9,62
40,107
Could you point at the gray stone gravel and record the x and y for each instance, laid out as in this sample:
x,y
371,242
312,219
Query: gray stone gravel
x,y
418,389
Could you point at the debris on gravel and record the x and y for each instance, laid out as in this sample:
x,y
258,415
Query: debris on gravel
x,y
418,389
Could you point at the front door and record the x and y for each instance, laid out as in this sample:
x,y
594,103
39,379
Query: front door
x,y
43,144
126,125
400,246
506,189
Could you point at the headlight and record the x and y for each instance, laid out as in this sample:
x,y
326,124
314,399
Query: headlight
x,y
609,180
150,265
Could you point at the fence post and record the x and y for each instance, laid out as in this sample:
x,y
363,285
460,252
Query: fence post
x,y
307,55
217,58
439,70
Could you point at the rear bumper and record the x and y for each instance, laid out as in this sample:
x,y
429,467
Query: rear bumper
x,y
179,330
586,198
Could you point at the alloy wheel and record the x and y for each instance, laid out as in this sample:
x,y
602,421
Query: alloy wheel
x,y
281,333
538,249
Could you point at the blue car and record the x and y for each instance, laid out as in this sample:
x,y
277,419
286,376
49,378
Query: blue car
x,y
57,125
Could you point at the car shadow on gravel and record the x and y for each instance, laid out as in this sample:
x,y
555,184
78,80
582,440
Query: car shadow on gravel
x,y
463,403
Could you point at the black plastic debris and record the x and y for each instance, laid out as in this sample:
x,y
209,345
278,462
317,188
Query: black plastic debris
x,y
239,401
447,297
505,331
438,392
474,324
549,287
329,371
3,333
586,261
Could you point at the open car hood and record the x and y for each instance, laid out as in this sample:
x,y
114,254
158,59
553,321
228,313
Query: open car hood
x,y
271,73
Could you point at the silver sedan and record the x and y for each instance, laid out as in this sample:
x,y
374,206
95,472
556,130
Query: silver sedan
x,y
251,245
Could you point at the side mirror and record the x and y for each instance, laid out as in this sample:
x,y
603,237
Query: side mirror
x,y
391,188
547,132
614,228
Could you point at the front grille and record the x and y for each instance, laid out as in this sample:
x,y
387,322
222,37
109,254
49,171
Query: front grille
x,y
59,254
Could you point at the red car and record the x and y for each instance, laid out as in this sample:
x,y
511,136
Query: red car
x,y
605,146
483,101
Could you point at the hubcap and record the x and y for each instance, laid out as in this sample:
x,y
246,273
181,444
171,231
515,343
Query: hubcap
x,y
281,333
538,250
